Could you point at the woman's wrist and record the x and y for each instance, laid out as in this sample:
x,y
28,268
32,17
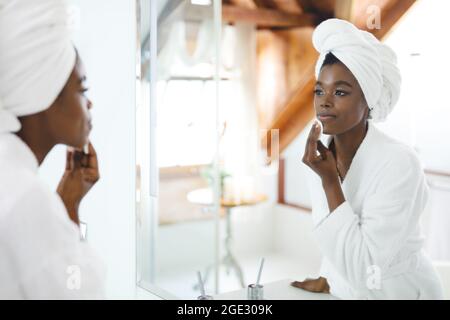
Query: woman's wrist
x,y
333,192
72,209
330,181
73,214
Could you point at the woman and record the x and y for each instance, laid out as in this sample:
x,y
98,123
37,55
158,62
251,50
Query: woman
x,y
42,104
368,190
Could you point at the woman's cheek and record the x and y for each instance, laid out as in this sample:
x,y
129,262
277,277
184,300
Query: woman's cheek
x,y
82,108
316,102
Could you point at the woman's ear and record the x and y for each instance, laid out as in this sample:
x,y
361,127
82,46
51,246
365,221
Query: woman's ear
x,y
365,106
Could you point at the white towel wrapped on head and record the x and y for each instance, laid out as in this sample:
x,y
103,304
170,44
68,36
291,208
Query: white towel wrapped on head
x,y
373,64
36,57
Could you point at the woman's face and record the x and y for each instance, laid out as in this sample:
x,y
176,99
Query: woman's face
x,y
69,119
338,100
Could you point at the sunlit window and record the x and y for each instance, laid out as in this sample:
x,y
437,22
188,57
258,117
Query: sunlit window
x,y
186,121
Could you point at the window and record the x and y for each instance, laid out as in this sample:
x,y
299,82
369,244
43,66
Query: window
x,y
186,122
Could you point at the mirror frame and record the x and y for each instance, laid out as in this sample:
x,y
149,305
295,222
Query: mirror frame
x,y
147,191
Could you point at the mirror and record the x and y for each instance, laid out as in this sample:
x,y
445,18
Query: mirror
x,y
177,146
201,173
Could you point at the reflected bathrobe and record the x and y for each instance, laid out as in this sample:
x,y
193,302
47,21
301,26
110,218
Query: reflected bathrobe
x,y
372,243
41,253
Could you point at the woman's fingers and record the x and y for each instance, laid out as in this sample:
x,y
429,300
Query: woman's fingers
x,y
313,285
308,284
316,130
311,143
69,160
86,164
91,175
298,284
78,159
91,172
322,150
83,160
92,157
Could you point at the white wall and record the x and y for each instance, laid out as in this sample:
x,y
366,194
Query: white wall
x,y
106,42
296,187
421,115
293,237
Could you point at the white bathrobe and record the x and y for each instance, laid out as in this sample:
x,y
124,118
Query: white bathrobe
x,y
371,243
41,254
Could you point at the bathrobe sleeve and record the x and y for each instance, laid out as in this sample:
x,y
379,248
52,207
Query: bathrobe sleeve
x,y
352,242
42,253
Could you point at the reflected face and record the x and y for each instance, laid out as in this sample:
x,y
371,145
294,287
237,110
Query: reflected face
x,y
338,99
69,119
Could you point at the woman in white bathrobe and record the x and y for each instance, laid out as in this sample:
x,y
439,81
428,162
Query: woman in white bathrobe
x,y
42,104
368,190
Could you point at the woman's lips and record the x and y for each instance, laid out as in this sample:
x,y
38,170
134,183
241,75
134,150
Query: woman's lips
x,y
326,117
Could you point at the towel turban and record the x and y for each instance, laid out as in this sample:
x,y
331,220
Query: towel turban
x,y
372,63
36,57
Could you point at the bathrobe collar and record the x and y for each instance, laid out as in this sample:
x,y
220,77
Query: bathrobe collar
x,y
14,149
357,163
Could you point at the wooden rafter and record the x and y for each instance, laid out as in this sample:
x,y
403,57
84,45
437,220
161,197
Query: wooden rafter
x,y
248,4
270,4
267,17
344,9
324,8
290,6
391,12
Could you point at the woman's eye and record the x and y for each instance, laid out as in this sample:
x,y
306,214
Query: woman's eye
x,y
84,91
318,92
340,93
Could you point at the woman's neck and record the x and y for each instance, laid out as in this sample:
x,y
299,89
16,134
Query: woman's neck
x,y
346,144
38,141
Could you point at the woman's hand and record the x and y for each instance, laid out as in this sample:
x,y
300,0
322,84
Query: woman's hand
x,y
79,177
313,285
324,163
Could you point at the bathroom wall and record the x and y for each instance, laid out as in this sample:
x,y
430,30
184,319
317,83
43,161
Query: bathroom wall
x,y
104,38
296,188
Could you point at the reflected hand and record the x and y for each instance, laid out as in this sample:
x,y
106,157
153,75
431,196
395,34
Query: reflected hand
x,y
323,164
319,285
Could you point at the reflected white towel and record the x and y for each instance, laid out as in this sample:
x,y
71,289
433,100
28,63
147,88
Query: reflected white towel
x,y
373,63
36,57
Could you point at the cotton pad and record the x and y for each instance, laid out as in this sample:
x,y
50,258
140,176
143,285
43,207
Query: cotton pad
x,y
321,128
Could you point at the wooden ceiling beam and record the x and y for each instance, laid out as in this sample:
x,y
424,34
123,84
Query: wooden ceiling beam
x,y
268,4
324,8
390,13
344,9
267,17
249,4
290,6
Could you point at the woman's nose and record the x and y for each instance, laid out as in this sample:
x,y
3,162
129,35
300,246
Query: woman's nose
x,y
326,101
89,104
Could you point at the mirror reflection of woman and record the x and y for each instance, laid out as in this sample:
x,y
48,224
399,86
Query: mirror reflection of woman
x,y
368,190
43,103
